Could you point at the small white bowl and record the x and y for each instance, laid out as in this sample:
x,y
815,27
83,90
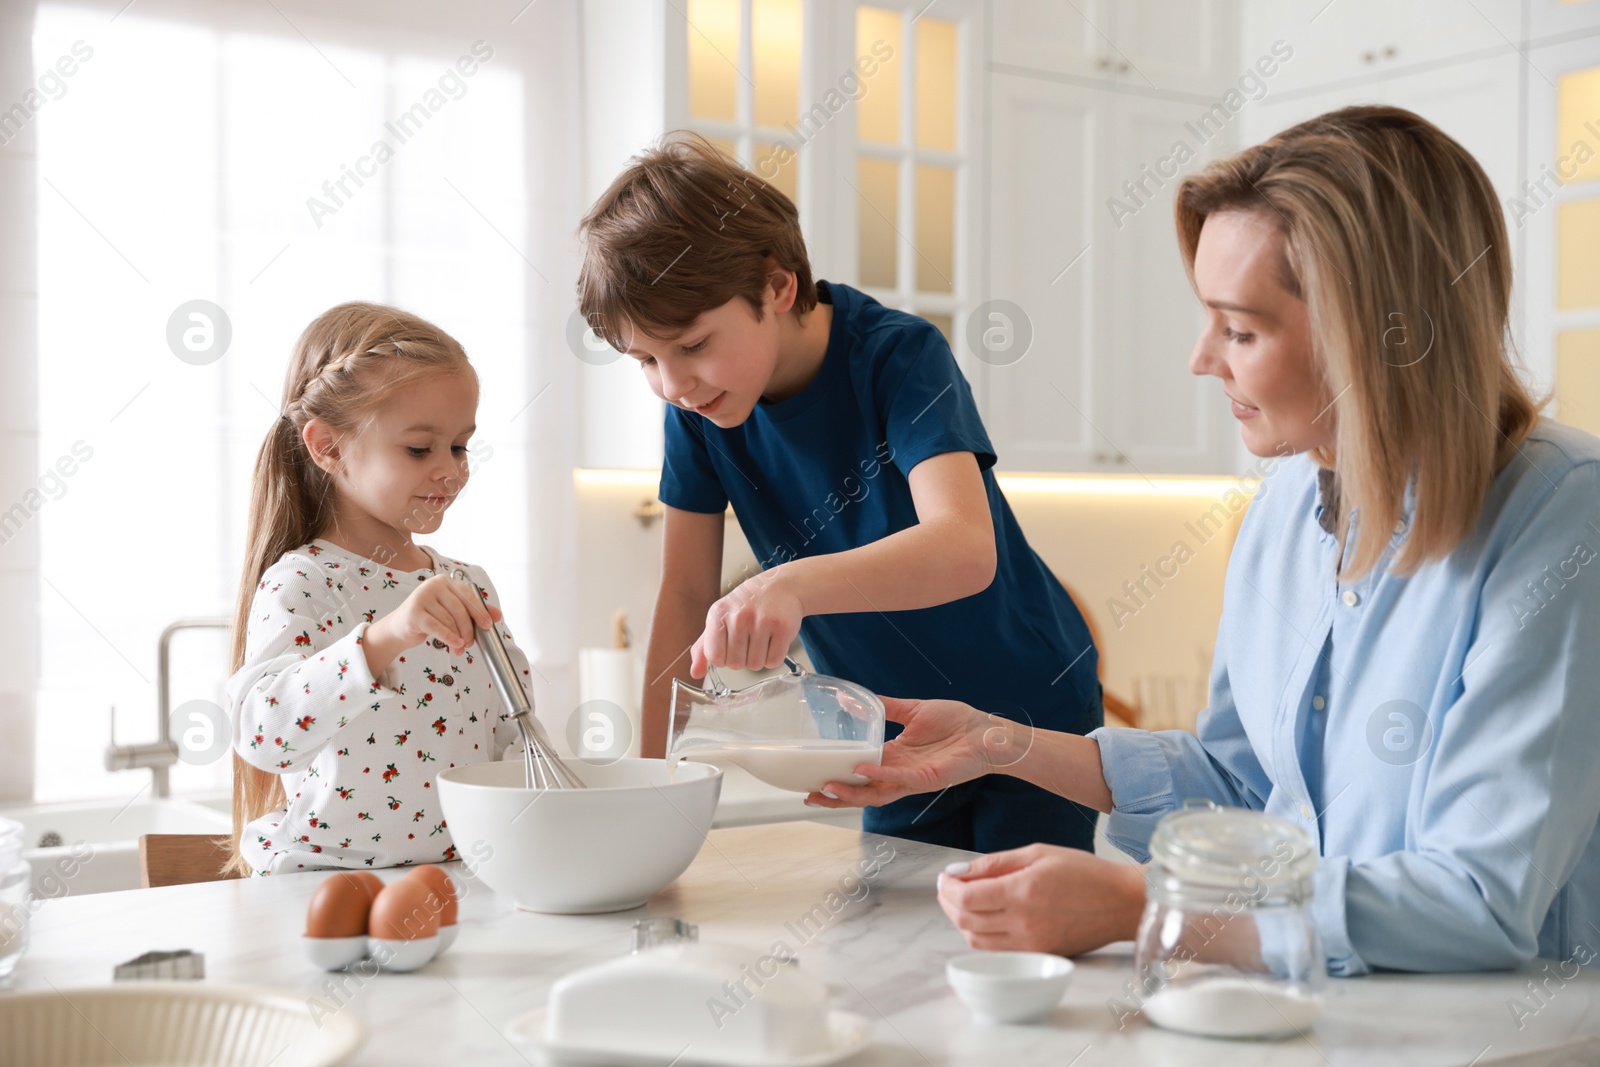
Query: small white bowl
x,y
447,935
402,956
334,953
1009,987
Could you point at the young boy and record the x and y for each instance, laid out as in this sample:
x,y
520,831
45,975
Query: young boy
x,y
848,443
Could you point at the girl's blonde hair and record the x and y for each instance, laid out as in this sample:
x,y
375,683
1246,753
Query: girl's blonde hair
x,y
344,365
1395,241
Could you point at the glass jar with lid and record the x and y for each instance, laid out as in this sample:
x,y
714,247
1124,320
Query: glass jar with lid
x,y
16,880
1227,946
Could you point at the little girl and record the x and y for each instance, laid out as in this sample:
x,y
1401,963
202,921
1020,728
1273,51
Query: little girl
x,y
355,681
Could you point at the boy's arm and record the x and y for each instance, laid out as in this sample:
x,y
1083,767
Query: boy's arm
x,y
949,554
691,579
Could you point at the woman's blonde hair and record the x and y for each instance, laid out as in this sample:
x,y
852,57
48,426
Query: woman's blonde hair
x,y
1395,241
344,365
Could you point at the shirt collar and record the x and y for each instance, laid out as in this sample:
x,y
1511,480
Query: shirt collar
x,y
1326,508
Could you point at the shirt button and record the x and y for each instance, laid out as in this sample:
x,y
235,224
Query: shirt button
x,y
1305,811
1350,598
1400,527
438,643
1318,703
448,680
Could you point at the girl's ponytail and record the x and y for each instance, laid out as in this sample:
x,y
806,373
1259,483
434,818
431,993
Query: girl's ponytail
x,y
344,364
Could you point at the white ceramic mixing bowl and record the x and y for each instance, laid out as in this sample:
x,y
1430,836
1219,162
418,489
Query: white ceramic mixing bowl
x,y
578,851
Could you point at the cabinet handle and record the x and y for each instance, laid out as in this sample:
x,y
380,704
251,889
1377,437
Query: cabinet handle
x,y
1103,63
1391,52
1123,68
1368,57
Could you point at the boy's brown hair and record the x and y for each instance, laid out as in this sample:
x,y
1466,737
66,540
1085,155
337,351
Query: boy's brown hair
x,y
683,230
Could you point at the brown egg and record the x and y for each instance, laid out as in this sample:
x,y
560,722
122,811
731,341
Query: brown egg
x,y
339,908
371,882
436,879
404,911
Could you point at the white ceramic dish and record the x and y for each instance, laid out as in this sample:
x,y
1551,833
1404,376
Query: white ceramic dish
x,y
172,1023
609,847
334,953
849,1033
399,957
1009,987
337,953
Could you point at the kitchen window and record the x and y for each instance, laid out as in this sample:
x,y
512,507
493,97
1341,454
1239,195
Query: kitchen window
x,y
213,160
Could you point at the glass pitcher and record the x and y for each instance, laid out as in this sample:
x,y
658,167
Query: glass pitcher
x,y
796,731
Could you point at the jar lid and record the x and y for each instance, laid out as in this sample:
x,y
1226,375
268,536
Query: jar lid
x,y
1225,846
10,843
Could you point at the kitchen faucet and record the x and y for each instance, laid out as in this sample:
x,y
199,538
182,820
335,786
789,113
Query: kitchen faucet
x,y
161,753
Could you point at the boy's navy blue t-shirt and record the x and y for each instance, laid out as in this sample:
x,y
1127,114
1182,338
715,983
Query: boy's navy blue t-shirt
x,y
825,471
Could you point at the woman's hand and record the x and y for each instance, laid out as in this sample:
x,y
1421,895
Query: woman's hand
x,y
440,609
750,628
1043,898
944,743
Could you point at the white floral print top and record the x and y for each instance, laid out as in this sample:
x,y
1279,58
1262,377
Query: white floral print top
x,y
357,754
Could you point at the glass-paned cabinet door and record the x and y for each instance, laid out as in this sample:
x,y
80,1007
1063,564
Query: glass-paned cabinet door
x,y
862,113
911,184
744,63
1577,247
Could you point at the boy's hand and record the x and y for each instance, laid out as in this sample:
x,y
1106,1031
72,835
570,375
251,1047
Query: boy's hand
x,y
440,609
750,628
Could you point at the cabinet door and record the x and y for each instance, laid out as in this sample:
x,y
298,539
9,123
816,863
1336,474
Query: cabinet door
x,y
1054,36
1156,45
1177,45
1547,17
1556,213
1043,158
1152,414
1347,40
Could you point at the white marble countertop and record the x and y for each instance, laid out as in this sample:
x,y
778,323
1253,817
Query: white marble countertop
x,y
883,954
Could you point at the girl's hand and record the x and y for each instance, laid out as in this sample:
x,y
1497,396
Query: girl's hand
x,y
750,628
440,609
1043,898
944,743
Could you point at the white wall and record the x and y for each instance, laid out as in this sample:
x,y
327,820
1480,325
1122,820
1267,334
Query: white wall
x,y
19,424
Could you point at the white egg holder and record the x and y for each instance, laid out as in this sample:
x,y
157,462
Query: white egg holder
x,y
386,954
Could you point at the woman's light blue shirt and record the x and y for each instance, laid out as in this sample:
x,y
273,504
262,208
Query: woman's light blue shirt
x,y
1438,734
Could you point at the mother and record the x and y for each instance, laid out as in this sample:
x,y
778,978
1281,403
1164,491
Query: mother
x,y
1408,659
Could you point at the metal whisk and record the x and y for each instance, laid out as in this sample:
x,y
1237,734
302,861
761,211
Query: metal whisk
x,y
542,768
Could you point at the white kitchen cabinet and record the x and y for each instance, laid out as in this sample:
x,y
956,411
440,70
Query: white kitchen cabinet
x,y
1054,36
1045,139
1162,417
1549,18
1346,41
1171,46
1105,384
